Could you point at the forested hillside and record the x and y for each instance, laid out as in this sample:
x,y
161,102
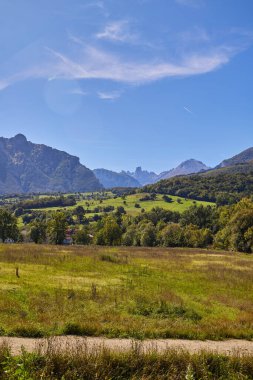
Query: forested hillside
x,y
224,185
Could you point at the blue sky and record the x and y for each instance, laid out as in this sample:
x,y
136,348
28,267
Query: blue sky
x,y
123,83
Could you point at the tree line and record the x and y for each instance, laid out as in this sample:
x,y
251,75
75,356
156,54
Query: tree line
x,y
46,202
227,227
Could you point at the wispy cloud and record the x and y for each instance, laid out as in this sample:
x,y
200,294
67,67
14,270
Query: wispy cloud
x,y
117,31
3,85
84,61
109,95
99,4
99,64
75,39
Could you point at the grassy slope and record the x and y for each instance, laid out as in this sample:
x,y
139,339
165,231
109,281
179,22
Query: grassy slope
x,y
125,292
132,199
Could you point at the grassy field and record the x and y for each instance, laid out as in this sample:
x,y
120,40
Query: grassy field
x,y
125,292
129,203
133,365
131,200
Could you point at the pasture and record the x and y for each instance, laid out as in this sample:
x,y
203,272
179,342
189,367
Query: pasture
x,y
91,201
125,292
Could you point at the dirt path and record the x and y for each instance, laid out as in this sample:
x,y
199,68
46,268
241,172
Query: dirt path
x,y
72,342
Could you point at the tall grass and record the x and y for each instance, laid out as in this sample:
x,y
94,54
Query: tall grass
x,y
90,364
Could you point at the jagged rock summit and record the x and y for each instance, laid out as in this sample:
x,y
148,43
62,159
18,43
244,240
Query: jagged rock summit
x,y
26,167
110,179
144,177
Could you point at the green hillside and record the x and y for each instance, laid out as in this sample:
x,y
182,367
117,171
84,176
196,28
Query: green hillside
x,y
133,204
223,185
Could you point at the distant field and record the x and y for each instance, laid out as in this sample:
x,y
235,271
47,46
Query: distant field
x,y
177,204
125,292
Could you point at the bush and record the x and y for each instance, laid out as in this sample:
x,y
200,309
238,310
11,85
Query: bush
x,y
172,236
82,237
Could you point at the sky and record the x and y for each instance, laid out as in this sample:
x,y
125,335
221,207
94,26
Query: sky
x,y
126,83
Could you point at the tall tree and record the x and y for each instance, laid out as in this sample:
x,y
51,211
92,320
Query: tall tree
x,y
110,233
8,226
38,231
57,228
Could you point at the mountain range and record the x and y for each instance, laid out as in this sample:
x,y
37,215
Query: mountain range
x,y
141,177
26,167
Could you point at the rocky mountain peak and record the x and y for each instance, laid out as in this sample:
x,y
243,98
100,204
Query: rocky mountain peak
x,y
26,167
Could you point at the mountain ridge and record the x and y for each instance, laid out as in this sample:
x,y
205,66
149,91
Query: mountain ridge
x,y
240,158
26,167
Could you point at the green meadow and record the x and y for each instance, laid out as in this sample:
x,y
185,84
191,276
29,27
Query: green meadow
x,y
128,202
125,292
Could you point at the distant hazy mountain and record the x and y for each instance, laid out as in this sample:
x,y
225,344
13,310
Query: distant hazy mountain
x,y
143,176
26,167
111,179
241,158
187,167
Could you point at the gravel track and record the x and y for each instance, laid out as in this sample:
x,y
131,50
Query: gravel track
x,y
227,347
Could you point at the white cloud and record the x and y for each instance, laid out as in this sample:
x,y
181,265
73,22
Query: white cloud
x,y
117,31
98,64
108,95
90,62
